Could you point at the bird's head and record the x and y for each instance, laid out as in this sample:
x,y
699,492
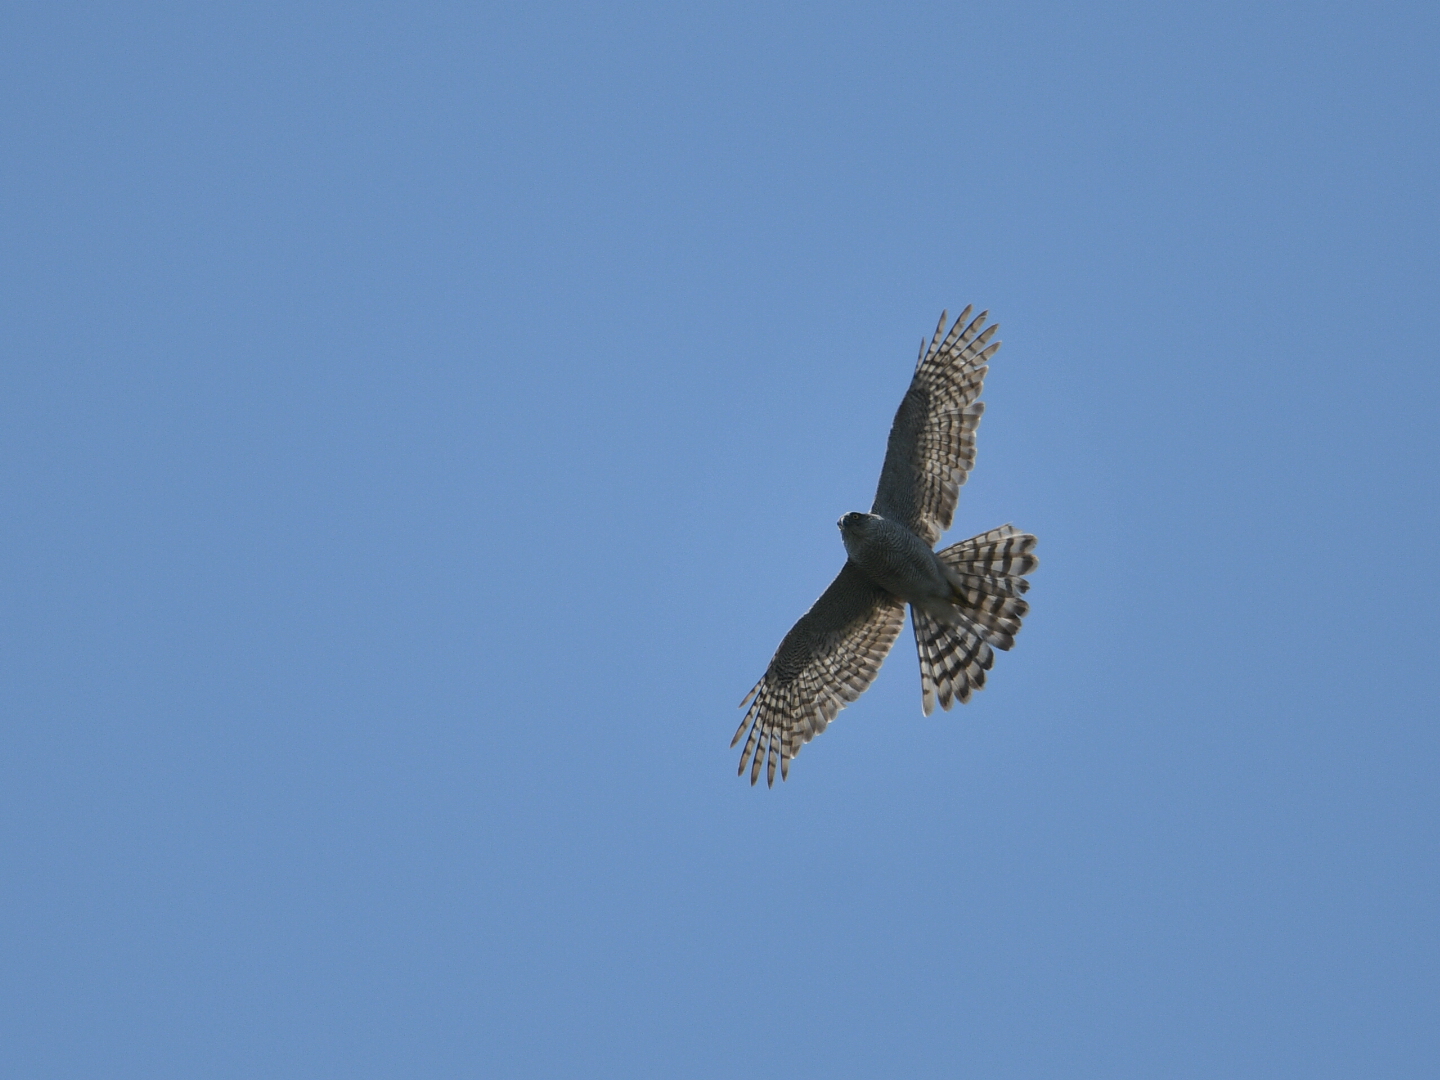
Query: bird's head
x,y
853,528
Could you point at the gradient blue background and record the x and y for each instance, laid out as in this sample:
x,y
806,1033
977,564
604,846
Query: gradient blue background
x,y
419,426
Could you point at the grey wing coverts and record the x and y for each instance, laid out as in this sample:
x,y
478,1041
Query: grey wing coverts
x,y
834,652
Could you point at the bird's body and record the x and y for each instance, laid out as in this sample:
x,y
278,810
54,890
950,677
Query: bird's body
x,y
896,559
964,600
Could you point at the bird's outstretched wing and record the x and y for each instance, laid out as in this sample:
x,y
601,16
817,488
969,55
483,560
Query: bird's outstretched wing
x,y
825,662
932,442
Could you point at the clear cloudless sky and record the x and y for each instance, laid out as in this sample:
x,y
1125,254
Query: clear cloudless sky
x,y
420,423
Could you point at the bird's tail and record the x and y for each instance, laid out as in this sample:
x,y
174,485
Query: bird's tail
x,y
986,573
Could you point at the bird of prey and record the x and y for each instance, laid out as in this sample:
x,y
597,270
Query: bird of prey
x,y
965,600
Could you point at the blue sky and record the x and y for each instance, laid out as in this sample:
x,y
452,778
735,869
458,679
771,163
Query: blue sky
x,y
419,425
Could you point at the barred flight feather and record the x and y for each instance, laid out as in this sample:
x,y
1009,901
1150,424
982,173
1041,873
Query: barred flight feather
x,y
932,442
826,661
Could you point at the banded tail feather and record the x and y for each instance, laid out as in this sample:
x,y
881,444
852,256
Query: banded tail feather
x,y
987,575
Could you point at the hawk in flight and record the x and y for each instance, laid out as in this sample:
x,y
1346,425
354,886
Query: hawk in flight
x,y
965,601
